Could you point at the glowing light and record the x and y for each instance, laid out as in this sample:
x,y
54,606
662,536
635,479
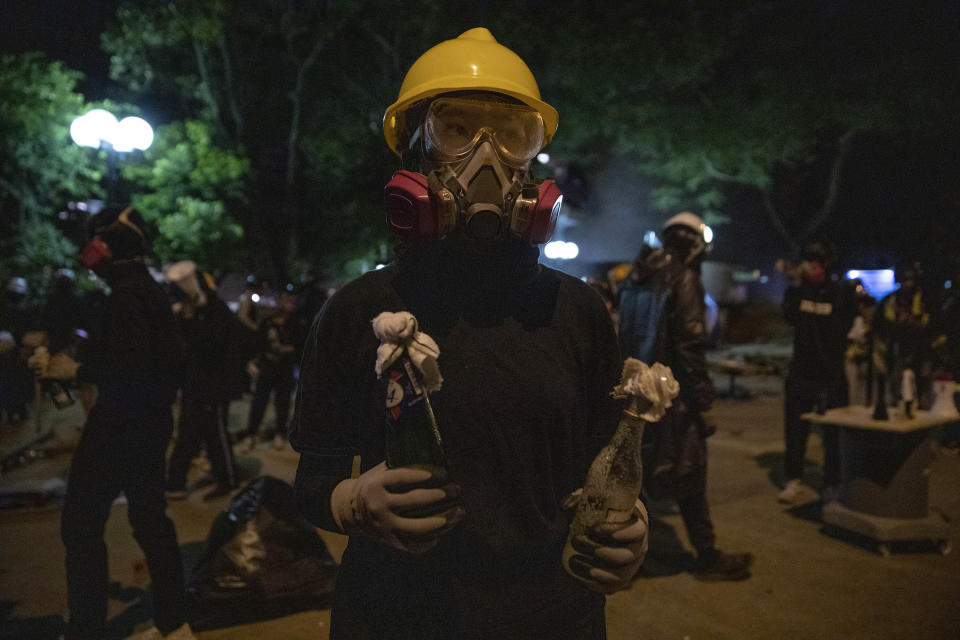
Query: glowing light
x,y
255,297
707,234
560,250
99,125
853,274
543,158
132,133
82,132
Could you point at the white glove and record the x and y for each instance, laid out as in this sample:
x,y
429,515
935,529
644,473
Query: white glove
x,y
607,560
372,505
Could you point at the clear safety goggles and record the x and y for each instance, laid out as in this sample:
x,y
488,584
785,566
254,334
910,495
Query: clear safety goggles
x,y
453,127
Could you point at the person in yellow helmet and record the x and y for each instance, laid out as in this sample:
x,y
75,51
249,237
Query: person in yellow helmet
x,y
528,357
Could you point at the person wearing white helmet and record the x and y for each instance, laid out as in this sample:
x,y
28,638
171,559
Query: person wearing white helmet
x,y
528,357
663,319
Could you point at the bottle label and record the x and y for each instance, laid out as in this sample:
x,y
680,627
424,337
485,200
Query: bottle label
x,y
403,391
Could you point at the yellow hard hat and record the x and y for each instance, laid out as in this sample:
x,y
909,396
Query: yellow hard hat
x,y
472,61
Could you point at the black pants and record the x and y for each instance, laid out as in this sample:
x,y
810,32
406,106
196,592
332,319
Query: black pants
x,y
120,450
696,518
802,396
206,421
276,379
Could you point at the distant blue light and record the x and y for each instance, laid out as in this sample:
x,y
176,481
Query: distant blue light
x,y
877,282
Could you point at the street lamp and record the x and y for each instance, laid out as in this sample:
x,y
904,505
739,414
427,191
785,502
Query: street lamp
x,y
99,128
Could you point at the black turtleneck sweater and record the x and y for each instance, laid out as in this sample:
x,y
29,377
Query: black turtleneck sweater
x,y
529,358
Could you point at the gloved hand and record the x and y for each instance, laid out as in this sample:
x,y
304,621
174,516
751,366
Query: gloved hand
x,y
373,503
607,559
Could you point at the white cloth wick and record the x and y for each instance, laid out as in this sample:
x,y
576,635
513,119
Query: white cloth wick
x,y
656,385
399,333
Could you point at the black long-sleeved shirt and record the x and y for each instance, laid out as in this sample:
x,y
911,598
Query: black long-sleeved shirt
x,y
137,360
821,314
528,368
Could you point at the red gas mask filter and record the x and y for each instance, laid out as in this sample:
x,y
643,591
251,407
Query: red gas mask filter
x,y
418,210
95,254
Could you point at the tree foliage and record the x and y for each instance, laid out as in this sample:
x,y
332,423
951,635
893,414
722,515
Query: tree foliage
x,y
703,100
40,167
187,186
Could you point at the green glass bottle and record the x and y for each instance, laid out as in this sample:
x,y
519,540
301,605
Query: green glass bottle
x,y
412,436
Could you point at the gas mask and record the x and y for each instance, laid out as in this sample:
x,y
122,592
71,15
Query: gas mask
x,y
477,156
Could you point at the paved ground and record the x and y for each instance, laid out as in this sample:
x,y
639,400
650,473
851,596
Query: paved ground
x,y
808,583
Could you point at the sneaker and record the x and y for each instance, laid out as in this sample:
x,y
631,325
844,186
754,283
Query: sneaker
x,y
183,633
715,565
175,493
222,489
795,491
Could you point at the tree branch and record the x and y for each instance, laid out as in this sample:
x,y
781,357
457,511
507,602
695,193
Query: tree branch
x,y
715,173
228,77
778,224
833,186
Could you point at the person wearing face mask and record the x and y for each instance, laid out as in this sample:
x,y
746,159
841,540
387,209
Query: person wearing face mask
x,y
528,358
136,364
663,319
821,311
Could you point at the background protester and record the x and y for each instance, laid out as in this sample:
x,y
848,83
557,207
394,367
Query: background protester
x,y
907,335
211,334
136,365
275,365
822,311
662,318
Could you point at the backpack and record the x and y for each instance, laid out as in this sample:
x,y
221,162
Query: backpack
x,y
642,309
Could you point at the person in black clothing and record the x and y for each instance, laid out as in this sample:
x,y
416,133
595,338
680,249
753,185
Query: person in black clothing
x,y
276,365
136,365
663,319
61,313
211,334
910,335
821,311
528,357
17,314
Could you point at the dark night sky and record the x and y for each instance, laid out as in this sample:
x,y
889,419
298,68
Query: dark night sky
x,y
67,30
